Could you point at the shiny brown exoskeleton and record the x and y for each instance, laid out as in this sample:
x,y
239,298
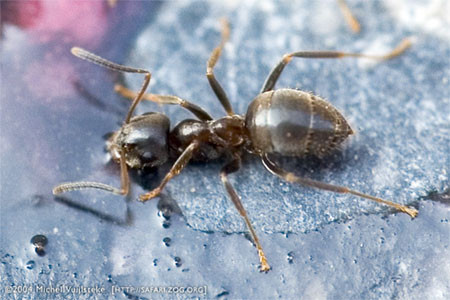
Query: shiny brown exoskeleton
x,y
285,122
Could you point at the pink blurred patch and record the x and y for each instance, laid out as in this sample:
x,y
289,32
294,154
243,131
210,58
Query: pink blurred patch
x,y
81,22
49,81
17,13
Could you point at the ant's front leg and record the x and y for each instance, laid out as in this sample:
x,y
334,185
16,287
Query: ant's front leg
x,y
179,165
81,185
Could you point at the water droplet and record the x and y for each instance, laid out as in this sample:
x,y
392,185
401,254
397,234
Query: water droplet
x,y
290,257
165,214
40,251
39,240
177,261
30,264
166,224
167,241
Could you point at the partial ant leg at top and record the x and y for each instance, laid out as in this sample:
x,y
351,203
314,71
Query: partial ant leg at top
x,y
272,79
199,112
349,17
215,85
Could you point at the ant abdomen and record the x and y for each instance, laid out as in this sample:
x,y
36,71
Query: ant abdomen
x,y
294,123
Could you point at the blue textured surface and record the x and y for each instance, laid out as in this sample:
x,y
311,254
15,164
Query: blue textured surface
x,y
396,121
320,245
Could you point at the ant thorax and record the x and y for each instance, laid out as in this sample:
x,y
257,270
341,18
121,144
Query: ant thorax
x,y
214,137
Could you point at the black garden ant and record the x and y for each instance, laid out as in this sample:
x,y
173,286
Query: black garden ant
x,y
286,122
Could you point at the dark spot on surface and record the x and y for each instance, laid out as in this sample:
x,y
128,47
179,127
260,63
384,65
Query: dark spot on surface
x,y
290,257
177,261
133,297
166,224
223,294
40,251
39,240
167,241
30,264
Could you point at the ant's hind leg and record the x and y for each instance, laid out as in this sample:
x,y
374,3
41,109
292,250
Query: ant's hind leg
x,y
272,79
179,165
81,185
165,99
232,167
290,177
215,85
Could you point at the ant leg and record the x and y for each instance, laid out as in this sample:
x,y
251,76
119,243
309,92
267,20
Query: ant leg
x,y
276,72
290,177
179,165
215,85
232,167
165,99
349,17
81,185
86,55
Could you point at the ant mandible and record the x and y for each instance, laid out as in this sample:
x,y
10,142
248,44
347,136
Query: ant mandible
x,y
285,122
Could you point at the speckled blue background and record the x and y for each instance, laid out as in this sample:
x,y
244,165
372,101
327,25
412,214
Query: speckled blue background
x,y
56,110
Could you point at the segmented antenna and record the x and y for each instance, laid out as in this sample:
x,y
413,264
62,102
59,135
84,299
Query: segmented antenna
x,y
91,57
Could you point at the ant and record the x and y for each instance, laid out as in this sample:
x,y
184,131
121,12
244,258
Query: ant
x,y
283,122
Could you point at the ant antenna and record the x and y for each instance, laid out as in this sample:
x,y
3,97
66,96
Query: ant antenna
x,y
86,55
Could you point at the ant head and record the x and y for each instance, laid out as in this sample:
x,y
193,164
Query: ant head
x,y
143,141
